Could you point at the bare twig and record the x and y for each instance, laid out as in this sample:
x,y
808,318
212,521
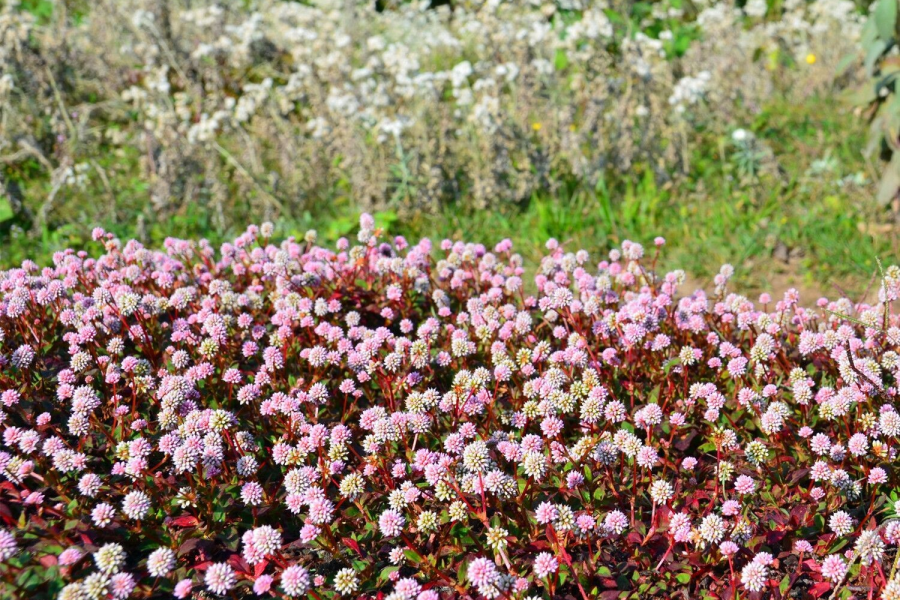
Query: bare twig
x,y
73,133
241,169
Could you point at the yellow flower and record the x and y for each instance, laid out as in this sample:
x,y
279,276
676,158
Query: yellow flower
x,y
536,126
810,59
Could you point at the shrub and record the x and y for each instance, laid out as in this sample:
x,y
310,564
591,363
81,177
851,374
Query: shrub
x,y
878,97
391,418
140,110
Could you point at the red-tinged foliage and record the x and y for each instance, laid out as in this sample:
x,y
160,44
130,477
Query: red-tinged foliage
x,y
405,422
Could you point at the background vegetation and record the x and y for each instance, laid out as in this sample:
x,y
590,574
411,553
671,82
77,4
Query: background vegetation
x,y
102,108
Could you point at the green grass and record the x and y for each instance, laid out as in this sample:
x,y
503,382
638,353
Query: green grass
x,y
784,229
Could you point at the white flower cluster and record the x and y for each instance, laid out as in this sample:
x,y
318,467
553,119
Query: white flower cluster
x,y
487,97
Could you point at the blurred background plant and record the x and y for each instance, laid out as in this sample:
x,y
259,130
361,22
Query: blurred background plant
x,y
590,121
878,97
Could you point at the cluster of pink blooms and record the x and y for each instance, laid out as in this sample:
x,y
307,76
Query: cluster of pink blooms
x,y
408,422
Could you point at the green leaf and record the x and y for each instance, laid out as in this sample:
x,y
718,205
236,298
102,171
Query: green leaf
x,y
890,181
385,218
862,96
463,569
561,61
386,573
873,54
42,9
885,16
840,544
683,578
6,211
785,584
845,64
671,363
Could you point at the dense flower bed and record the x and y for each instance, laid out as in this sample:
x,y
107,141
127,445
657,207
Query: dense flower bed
x,y
402,421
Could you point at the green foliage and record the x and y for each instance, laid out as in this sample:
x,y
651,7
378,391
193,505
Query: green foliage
x,y
41,9
709,218
794,204
879,94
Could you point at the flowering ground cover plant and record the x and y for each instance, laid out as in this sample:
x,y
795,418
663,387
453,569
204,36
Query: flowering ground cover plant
x,y
403,421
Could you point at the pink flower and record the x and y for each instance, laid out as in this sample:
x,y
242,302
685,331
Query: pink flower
x,y
308,533
728,548
219,578
8,546
545,564
122,585
183,589
262,584
763,558
34,498
616,522
70,556
295,580
546,513
877,475
482,572
136,504
754,576
391,523
834,568
731,508
103,514
575,480
744,485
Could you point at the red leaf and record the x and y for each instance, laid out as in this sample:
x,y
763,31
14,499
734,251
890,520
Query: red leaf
x,y
259,568
798,514
7,517
812,565
47,560
773,537
238,563
185,521
819,589
202,566
351,543
551,535
187,546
